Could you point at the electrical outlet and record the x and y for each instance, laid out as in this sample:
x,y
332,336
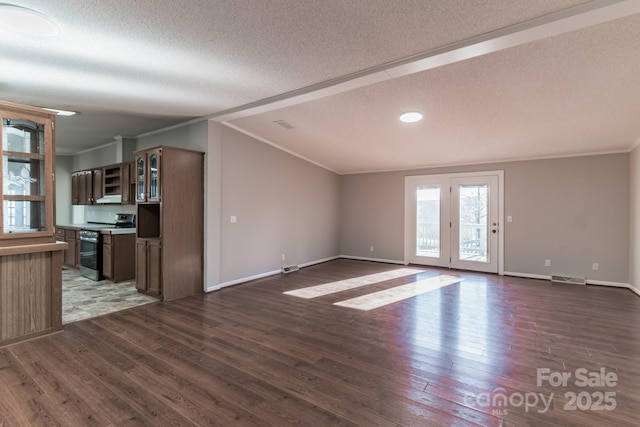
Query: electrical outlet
x,y
547,263
283,257
595,266
233,219
371,248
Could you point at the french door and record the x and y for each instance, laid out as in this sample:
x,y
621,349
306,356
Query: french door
x,y
453,221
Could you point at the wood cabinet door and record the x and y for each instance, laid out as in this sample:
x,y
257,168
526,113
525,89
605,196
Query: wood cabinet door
x,y
141,265
107,264
97,185
124,183
154,253
75,197
141,177
154,175
82,188
70,254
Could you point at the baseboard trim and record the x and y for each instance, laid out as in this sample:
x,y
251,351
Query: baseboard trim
x,y
589,282
605,283
265,274
527,275
361,258
634,290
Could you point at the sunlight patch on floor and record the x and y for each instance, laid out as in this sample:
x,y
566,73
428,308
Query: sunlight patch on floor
x,y
356,282
398,293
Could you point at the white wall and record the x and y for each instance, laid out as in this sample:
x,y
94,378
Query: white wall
x,y
573,211
283,206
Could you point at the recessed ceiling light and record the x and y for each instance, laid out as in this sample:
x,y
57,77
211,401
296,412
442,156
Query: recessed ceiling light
x,y
27,21
411,116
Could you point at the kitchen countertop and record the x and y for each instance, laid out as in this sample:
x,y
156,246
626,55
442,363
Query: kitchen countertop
x,y
118,231
104,229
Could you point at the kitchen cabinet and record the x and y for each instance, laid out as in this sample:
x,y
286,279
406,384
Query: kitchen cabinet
x,y
148,266
112,180
118,258
148,175
30,251
86,187
170,222
75,190
71,256
125,171
109,184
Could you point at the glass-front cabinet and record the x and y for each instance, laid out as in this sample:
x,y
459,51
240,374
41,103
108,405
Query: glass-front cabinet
x,y
27,174
148,176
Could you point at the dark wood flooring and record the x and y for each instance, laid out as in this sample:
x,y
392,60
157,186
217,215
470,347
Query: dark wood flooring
x,y
466,354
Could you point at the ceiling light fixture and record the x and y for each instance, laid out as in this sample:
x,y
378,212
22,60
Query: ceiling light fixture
x,y
411,116
27,21
61,112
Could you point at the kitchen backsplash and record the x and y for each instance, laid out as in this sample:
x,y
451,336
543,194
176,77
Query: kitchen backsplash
x,y
99,213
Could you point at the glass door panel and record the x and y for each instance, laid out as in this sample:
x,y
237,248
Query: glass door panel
x,y
140,181
472,241
153,176
428,242
474,228
427,213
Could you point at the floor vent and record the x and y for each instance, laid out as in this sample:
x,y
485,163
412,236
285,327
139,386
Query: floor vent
x,y
290,269
571,280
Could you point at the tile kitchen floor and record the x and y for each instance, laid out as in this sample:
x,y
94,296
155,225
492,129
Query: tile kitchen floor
x,y
84,298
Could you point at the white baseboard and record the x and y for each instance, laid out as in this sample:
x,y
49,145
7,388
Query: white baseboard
x,y
361,258
589,282
605,283
527,275
266,274
634,290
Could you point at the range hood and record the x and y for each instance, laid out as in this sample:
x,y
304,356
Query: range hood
x,y
110,199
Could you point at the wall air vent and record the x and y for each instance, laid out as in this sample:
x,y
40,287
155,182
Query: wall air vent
x,y
290,269
284,124
568,279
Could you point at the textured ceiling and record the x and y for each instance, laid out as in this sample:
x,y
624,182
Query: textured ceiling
x,y
134,67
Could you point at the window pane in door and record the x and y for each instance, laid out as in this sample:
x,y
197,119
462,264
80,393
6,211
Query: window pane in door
x,y
428,222
474,202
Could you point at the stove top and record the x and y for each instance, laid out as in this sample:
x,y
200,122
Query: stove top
x,y
121,221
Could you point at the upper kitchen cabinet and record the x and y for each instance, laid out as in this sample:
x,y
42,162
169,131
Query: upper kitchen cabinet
x,y
27,174
86,187
108,184
148,175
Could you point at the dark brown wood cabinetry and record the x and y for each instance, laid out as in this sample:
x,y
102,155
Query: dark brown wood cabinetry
x,y
118,259
149,175
86,187
89,186
71,257
148,266
170,222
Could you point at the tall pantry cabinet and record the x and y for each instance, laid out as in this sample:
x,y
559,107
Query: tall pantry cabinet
x,y
170,222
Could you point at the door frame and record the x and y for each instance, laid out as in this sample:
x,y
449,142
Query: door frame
x,y
409,205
